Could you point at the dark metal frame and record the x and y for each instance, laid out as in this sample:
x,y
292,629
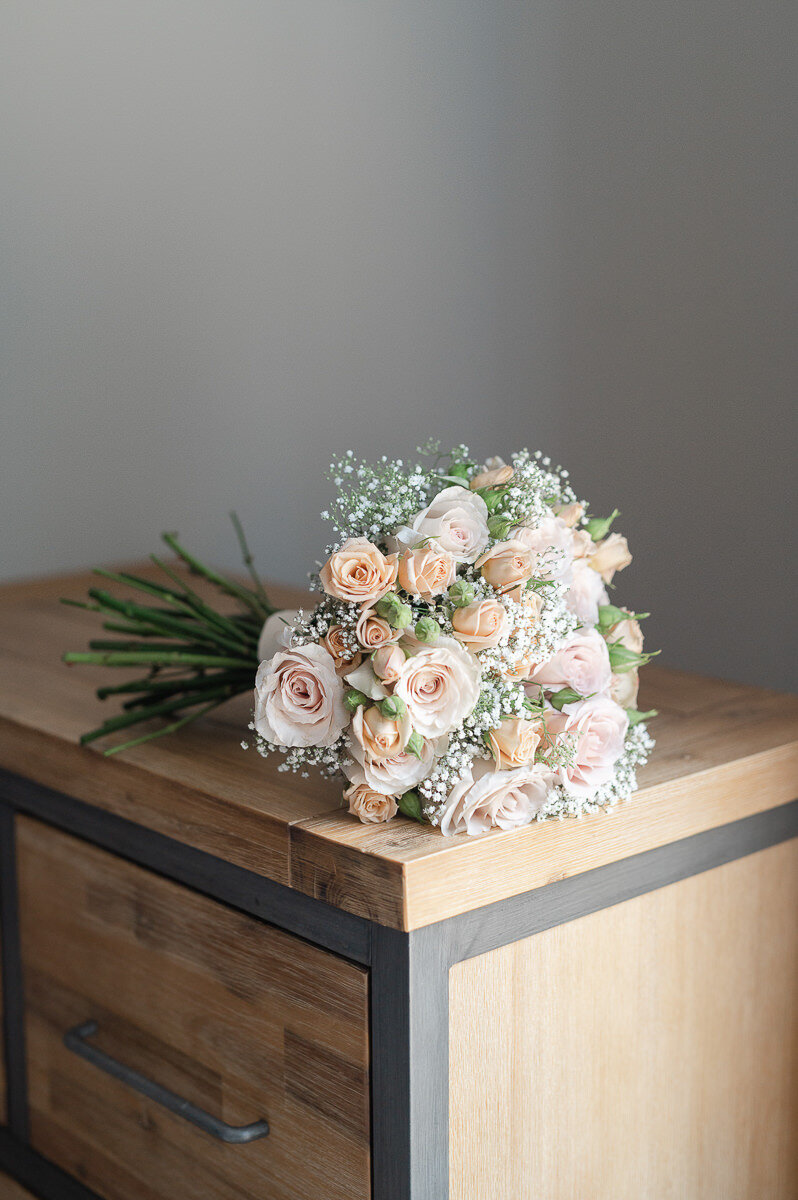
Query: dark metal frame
x,y
409,972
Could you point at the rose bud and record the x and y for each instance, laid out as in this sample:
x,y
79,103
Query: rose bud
x,y
392,707
387,663
461,593
427,630
353,699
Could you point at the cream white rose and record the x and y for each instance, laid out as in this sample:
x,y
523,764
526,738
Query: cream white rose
x,y
276,632
552,547
586,593
368,806
394,775
440,685
299,699
456,520
627,633
583,664
486,798
624,688
596,728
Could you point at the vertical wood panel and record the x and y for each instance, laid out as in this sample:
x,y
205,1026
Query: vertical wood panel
x,y
645,1052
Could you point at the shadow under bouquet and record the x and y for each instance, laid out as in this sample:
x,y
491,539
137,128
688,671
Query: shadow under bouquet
x,y
464,664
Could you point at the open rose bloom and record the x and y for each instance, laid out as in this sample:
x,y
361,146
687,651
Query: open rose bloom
x,y
463,665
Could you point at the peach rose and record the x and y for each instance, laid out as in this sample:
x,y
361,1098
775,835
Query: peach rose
x,y
586,593
372,631
582,544
521,669
426,572
391,776
628,633
457,520
610,556
359,572
506,565
370,807
387,663
496,477
440,685
624,688
345,658
485,798
380,737
299,699
483,623
597,728
571,513
582,664
513,742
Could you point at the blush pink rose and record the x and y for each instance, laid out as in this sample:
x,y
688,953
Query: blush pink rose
x,y
299,699
582,664
586,593
596,728
485,798
394,775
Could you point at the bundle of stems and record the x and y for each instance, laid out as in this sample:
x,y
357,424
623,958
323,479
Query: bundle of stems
x,y
192,657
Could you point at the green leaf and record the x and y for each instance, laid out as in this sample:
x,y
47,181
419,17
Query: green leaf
x,y
410,805
599,527
415,744
565,696
635,717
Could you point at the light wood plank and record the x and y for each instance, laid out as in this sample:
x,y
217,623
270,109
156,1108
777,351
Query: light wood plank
x,y
645,1052
240,1018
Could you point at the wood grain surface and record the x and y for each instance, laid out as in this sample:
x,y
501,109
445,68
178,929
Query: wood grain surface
x,y
11,1190
646,1052
723,751
240,1018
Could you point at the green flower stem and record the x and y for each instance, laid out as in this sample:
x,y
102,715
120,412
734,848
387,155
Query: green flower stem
x,y
157,733
189,700
161,685
249,563
239,626
153,657
133,611
226,585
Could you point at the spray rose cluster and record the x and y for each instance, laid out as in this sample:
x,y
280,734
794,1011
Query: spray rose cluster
x,y
464,665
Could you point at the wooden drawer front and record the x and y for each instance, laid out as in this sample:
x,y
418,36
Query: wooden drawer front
x,y
244,1021
2,1051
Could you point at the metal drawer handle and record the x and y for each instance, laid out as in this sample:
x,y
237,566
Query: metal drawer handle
x,y
239,1135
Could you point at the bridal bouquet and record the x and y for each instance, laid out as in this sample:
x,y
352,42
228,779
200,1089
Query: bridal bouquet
x,y
464,664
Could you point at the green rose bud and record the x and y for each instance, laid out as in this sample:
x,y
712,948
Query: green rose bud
x,y
599,527
623,659
392,707
461,593
353,699
499,527
394,611
427,630
410,805
415,744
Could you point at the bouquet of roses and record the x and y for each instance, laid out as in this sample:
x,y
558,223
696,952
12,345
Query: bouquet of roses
x,y
464,664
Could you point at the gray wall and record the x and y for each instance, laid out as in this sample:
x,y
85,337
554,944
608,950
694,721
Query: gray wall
x,y
240,234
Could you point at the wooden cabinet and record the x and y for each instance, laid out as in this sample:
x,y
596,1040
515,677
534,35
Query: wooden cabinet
x,y
243,1021
600,1009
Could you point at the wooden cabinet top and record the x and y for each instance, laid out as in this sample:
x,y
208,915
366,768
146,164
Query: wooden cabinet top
x,y
724,751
